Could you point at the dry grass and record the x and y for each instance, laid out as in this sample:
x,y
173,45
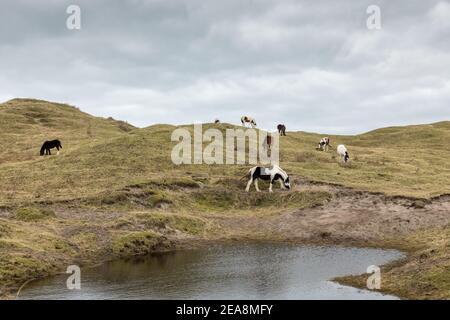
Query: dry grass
x,y
107,166
409,161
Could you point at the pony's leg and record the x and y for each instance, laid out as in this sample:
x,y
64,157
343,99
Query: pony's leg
x,y
249,183
281,184
271,185
256,185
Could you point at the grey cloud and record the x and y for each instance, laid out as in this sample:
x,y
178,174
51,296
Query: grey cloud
x,y
310,64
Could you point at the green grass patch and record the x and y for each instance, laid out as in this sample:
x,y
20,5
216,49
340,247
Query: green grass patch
x,y
158,198
136,243
33,214
17,268
183,223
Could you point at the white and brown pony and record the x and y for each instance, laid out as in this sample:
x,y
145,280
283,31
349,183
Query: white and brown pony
x,y
324,144
246,119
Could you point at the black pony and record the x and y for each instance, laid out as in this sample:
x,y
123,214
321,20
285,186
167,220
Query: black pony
x,y
50,145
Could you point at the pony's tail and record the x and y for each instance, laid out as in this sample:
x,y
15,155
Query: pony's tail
x,y
42,149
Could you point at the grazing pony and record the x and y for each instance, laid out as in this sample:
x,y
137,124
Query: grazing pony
x,y
245,119
342,151
324,144
281,129
217,121
50,145
267,142
273,173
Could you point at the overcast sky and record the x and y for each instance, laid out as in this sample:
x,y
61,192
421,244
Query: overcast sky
x,y
313,65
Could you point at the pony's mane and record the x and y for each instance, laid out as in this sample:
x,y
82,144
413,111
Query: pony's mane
x,y
281,171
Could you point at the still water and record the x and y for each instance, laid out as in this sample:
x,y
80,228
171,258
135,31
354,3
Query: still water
x,y
250,271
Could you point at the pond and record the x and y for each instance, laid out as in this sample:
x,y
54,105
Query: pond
x,y
250,271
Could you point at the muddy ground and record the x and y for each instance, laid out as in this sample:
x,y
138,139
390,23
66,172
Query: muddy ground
x,y
350,218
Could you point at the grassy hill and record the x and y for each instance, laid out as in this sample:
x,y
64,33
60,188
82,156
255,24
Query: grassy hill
x,y
101,155
407,161
114,191
26,123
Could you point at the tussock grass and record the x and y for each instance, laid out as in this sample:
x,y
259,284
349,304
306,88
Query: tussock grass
x,y
136,243
212,200
33,214
17,268
188,224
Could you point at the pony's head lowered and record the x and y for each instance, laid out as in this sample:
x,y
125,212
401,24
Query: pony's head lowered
x,y
50,145
285,177
346,156
287,183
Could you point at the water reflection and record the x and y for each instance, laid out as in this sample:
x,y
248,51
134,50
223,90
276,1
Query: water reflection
x,y
251,271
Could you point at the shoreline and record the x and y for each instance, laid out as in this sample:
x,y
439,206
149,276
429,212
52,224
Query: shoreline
x,y
223,243
351,218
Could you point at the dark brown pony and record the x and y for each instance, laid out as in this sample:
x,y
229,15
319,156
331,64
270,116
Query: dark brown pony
x,y
45,149
281,129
